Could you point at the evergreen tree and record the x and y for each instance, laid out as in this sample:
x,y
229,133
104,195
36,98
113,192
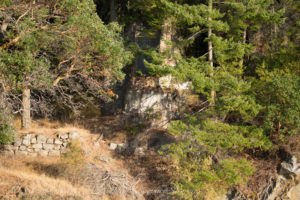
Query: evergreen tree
x,y
202,171
248,77
234,100
51,41
277,88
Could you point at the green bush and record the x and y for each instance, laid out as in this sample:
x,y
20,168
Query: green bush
x,y
6,128
280,96
203,157
73,159
150,114
135,128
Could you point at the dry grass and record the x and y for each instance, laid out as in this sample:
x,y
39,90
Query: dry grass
x,y
44,176
110,127
115,181
50,175
12,180
19,172
48,128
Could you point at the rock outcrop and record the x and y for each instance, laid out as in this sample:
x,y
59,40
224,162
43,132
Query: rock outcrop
x,y
282,186
285,182
157,101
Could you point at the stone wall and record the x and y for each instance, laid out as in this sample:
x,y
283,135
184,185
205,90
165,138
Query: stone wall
x,y
39,145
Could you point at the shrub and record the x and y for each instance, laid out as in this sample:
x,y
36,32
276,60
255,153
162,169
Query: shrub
x,y
73,159
151,114
279,94
6,128
135,128
204,161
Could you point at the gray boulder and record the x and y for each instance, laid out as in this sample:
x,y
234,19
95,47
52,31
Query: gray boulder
x,y
26,141
30,150
57,147
22,148
18,142
41,139
33,140
50,141
57,141
37,146
290,167
63,136
48,146
103,158
122,147
113,146
27,136
139,151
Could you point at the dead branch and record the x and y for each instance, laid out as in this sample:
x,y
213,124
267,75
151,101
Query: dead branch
x,y
23,15
104,182
10,42
64,76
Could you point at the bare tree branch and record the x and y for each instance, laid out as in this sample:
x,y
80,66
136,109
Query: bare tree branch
x,y
23,15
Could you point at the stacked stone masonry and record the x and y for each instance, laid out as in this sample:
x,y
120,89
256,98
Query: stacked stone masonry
x,y
39,145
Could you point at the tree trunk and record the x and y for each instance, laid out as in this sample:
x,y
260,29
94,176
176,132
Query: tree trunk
x,y
275,26
244,36
112,11
26,119
244,42
166,35
210,48
167,32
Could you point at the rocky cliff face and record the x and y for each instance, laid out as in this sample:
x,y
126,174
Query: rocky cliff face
x,y
285,185
156,100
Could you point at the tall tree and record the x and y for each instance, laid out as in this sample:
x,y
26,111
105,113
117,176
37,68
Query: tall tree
x,y
246,17
210,46
278,84
51,41
235,105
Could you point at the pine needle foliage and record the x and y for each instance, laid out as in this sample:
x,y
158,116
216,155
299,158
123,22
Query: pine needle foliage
x,y
57,39
201,169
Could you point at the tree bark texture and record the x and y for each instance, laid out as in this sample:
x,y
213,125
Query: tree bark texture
x,y
167,32
26,119
210,48
244,42
113,11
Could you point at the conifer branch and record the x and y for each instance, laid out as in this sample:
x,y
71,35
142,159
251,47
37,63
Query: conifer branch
x,y
17,38
196,34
